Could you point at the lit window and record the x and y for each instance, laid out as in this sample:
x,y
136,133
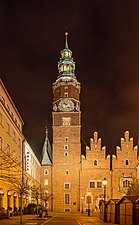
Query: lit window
x,y
99,184
8,108
66,121
66,154
66,139
65,147
14,136
126,183
66,94
3,100
67,199
67,186
95,162
92,184
46,192
46,182
46,172
67,172
16,121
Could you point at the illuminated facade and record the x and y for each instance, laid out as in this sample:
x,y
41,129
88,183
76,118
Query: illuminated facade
x,y
12,147
72,181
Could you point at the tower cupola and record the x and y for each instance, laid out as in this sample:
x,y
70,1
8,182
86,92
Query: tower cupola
x,y
66,65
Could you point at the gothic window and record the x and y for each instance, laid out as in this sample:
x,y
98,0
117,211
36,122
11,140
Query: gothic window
x,y
95,162
46,172
66,185
92,184
67,199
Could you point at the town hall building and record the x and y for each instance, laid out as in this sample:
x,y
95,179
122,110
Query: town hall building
x,y
71,181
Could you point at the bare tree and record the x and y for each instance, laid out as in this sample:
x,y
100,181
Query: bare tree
x,y
133,189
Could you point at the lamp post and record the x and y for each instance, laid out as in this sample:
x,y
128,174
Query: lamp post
x,y
15,196
82,198
104,185
89,201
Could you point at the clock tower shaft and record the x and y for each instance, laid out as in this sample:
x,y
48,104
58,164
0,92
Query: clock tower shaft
x,y
66,124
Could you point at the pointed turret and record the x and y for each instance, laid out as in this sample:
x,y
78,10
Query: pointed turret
x,y
46,151
66,65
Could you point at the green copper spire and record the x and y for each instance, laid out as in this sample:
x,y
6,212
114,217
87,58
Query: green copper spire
x,y
46,151
66,65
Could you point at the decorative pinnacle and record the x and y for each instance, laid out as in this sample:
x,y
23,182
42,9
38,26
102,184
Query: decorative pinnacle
x,y
66,41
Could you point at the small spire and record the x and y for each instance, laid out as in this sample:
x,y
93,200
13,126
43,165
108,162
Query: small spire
x,y
66,40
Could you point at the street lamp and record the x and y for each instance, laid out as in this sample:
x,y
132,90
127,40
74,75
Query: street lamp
x,y
82,198
89,201
104,182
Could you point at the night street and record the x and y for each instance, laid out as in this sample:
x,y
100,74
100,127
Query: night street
x,y
58,219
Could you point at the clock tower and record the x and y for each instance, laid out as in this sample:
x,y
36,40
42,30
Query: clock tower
x,y
66,123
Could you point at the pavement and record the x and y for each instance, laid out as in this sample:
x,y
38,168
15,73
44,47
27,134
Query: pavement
x,y
82,219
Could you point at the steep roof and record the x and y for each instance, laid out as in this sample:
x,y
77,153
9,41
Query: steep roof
x,y
46,152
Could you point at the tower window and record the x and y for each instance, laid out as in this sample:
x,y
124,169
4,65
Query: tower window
x,y
126,162
95,162
66,154
66,121
67,199
46,172
66,139
65,147
66,94
67,172
67,186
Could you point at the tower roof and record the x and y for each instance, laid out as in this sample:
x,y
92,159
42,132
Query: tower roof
x,y
46,152
66,65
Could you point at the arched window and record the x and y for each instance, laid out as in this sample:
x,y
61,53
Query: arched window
x,y
46,172
126,162
95,162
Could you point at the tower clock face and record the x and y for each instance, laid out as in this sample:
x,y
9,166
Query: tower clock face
x,y
66,105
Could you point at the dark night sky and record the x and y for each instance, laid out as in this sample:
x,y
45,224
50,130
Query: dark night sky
x,y
104,39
